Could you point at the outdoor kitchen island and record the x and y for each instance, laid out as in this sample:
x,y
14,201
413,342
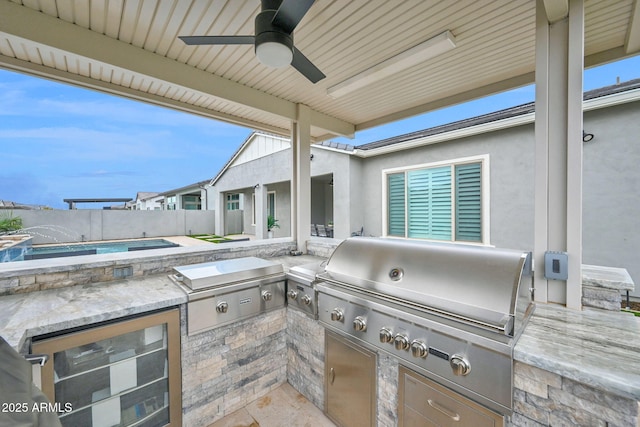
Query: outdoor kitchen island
x,y
571,368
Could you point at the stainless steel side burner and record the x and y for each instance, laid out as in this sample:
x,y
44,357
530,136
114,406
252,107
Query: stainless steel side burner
x,y
225,291
451,312
301,292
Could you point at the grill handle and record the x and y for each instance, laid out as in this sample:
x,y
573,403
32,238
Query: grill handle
x,y
449,413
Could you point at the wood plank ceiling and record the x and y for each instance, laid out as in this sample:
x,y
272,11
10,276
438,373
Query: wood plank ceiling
x,y
130,48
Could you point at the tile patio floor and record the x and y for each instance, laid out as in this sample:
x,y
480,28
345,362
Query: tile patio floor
x,y
282,407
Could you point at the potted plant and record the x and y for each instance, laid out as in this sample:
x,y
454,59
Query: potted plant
x,y
271,224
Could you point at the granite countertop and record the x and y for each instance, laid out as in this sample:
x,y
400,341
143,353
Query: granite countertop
x,y
23,316
27,315
595,347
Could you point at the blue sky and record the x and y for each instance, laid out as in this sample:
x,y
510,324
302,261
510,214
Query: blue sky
x,y
59,141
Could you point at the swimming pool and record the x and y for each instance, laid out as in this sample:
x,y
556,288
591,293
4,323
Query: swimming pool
x,y
57,251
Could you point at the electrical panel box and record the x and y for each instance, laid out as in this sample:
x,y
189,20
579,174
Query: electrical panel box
x,y
556,265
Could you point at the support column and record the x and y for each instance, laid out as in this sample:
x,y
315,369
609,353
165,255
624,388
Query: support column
x,y
220,207
558,152
301,179
261,211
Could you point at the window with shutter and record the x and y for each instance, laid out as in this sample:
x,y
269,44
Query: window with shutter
x,y
469,202
442,202
396,205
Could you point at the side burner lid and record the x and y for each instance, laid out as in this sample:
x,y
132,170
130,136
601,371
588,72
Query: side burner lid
x,y
224,272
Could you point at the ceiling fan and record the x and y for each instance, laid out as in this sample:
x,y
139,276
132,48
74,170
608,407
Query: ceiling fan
x,y
273,38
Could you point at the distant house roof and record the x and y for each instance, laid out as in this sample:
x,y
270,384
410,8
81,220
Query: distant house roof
x,y
145,195
507,113
185,188
6,204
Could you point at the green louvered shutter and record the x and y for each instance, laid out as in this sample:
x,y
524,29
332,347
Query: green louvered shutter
x,y
396,213
469,202
429,203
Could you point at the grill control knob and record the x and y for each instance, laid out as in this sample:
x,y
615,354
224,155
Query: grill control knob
x,y
306,299
386,336
419,349
360,324
337,315
222,307
460,365
401,342
267,295
292,294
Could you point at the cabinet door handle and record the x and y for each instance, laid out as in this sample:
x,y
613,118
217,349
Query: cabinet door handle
x,y
332,376
435,405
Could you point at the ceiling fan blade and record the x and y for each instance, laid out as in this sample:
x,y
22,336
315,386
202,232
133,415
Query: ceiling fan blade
x,y
290,13
306,67
204,40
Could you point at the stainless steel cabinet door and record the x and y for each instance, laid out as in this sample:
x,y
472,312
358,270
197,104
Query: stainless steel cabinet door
x,y
350,382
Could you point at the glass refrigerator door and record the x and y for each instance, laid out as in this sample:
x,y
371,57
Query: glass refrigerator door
x,y
121,374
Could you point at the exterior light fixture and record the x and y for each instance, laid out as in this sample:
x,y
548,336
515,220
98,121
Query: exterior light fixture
x,y
435,46
586,137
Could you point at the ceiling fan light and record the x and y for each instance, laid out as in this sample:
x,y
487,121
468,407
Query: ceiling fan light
x,y
274,54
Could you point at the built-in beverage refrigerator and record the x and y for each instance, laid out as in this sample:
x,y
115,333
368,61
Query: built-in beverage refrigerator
x,y
125,373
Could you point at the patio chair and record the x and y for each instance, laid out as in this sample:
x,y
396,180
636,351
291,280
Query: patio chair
x,y
358,233
314,230
322,231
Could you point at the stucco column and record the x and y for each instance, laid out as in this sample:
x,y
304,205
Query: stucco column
x,y
558,152
261,211
301,179
220,207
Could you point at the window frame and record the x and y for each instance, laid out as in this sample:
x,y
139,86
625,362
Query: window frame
x,y
452,163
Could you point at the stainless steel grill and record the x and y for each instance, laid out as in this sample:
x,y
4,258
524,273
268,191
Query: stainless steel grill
x,y
222,292
451,312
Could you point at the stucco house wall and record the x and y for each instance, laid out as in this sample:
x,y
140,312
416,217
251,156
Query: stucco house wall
x,y
611,189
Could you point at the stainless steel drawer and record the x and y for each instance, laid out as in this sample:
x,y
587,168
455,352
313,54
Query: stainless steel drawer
x,y
423,402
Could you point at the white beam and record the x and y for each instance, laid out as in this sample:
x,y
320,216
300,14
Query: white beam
x,y
575,71
632,43
29,24
558,152
301,149
556,10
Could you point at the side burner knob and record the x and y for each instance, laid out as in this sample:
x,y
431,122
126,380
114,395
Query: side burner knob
x,y
267,295
386,336
360,324
401,342
306,299
337,315
222,307
460,365
419,349
292,294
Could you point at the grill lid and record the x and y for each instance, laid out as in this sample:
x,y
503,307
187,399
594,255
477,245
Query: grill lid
x,y
225,272
473,283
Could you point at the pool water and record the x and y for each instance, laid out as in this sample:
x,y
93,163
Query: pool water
x,y
96,248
